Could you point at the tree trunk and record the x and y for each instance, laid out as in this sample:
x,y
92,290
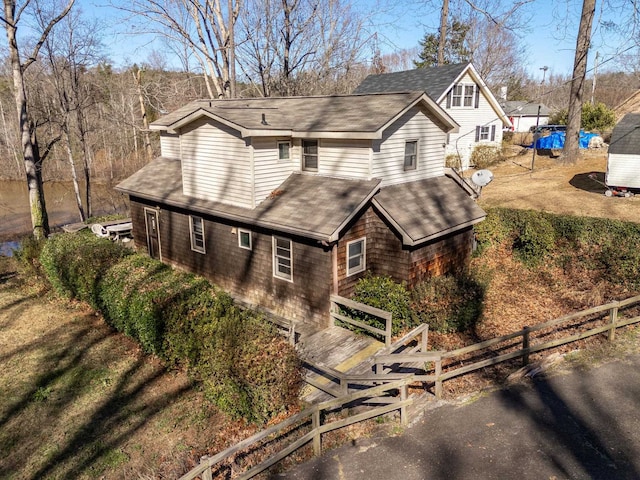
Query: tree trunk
x,y
137,76
32,164
442,39
74,174
571,149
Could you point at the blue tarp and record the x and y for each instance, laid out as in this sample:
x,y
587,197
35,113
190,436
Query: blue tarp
x,y
555,140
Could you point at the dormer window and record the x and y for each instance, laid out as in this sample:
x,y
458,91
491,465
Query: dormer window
x,y
310,155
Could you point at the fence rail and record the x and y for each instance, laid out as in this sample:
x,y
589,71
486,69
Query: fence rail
x,y
214,464
526,347
336,301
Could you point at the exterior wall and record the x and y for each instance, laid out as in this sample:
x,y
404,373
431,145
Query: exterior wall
x,y
388,154
169,145
468,118
386,256
247,274
523,124
343,158
623,170
269,171
216,164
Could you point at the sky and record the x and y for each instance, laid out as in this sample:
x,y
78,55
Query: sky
x,y
549,32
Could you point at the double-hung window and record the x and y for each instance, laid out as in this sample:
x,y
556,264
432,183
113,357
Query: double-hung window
x,y
456,95
310,155
196,227
282,258
469,95
410,155
356,256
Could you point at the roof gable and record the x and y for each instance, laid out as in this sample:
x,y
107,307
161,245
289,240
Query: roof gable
x,y
436,81
338,116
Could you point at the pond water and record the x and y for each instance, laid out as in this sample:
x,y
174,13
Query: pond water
x,y
15,219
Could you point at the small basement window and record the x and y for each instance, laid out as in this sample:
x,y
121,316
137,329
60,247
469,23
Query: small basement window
x,y
244,239
196,227
411,155
356,256
282,258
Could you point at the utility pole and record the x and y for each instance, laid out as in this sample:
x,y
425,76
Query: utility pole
x,y
595,74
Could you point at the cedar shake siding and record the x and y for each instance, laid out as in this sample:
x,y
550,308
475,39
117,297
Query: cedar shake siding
x,y
247,274
386,256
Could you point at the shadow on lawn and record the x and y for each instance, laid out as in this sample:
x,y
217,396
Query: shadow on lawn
x,y
75,362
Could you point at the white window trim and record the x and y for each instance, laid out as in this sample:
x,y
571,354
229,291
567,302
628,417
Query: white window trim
x,y
194,247
280,142
404,158
462,95
275,257
488,128
363,265
248,232
302,162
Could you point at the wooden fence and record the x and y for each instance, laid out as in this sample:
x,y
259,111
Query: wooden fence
x,y
337,301
314,415
522,341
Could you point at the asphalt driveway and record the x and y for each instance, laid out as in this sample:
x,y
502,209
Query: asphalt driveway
x,y
581,425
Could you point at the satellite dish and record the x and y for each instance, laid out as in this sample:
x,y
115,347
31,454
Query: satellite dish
x,y
482,178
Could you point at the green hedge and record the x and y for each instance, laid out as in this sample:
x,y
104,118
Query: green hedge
x,y
246,368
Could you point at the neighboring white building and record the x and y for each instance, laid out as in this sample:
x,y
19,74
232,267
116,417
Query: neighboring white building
x,y
460,91
623,164
524,115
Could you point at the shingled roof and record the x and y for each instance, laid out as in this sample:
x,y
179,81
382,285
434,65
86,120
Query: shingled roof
x,y
353,116
427,209
433,80
311,206
518,108
625,138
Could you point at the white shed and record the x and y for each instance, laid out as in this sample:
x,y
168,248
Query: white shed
x,y
623,165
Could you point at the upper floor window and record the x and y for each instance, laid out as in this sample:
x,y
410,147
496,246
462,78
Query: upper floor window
x,y
410,155
284,151
244,239
356,256
310,155
282,258
196,227
464,96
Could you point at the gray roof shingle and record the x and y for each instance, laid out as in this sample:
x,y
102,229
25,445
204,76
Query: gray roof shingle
x,y
527,109
427,209
311,206
338,113
625,139
433,80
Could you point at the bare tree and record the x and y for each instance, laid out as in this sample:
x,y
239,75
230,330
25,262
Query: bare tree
x,y
572,142
204,26
13,13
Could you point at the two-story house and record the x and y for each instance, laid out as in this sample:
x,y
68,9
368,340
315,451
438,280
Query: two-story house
x,y
284,201
461,92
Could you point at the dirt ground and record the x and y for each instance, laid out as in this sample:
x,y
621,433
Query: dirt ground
x,y
556,188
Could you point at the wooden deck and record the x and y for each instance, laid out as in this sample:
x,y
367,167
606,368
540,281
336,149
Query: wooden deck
x,y
340,349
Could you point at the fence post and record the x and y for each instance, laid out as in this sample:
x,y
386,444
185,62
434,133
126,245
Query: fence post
x,y
425,339
333,309
525,346
613,320
206,475
344,386
438,373
387,335
404,418
315,425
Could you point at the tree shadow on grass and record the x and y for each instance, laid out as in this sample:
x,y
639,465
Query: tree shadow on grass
x,y
592,182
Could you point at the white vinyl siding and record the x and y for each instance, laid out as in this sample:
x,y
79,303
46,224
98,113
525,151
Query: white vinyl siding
x,y
216,164
169,145
388,154
623,170
270,172
469,118
344,158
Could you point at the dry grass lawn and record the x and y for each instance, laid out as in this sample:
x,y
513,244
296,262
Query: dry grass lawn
x,y
551,187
